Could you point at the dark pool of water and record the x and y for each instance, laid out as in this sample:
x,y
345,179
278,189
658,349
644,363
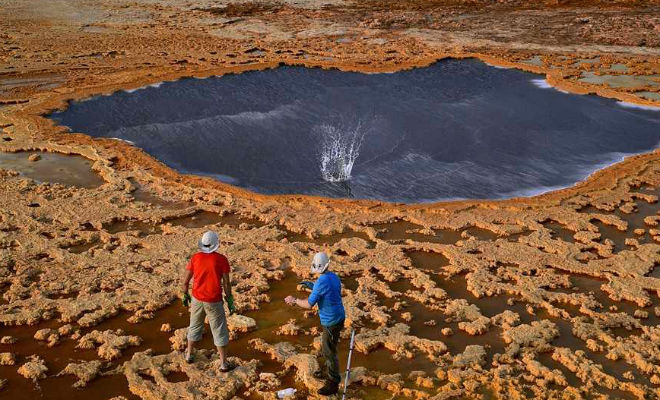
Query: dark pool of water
x,y
456,129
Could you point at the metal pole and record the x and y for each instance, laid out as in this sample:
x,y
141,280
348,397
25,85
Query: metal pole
x,y
348,364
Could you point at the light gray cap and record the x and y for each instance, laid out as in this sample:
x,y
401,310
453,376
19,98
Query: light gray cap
x,y
320,263
209,242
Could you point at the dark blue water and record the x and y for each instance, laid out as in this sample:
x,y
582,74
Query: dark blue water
x,y
456,129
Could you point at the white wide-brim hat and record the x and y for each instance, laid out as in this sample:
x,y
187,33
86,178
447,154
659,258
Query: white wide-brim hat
x,y
209,242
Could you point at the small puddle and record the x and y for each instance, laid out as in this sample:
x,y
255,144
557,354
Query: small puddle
x,y
400,231
591,285
655,272
143,227
143,195
427,260
648,95
618,67
368,392
83,247
482,234
593,61
68,170
329,240
236,220
198,220
623,332
177,376
620,81
644,209
403,230
559,231
204,218
491,340
610,232
535,60
382,360
515,236
635,221
547,360
456,288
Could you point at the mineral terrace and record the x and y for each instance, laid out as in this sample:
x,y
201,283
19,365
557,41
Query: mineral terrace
x,y
556,296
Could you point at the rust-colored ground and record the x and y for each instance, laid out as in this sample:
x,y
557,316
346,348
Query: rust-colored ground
x,y
555,296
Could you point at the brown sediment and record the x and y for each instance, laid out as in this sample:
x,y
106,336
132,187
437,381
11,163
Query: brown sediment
x,y
547,296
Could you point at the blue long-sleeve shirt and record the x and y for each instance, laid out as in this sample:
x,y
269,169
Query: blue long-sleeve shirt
x,y
327,293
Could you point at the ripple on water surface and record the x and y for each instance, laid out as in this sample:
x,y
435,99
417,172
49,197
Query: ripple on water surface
x,y
456,129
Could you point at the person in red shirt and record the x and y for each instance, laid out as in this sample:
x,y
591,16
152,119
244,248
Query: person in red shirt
x,y
209,271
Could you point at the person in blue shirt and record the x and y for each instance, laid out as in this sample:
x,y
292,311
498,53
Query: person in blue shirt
x,y
326,292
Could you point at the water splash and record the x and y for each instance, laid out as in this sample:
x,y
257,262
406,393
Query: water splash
x,y
340,147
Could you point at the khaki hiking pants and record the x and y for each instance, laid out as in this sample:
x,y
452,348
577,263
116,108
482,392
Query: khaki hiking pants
x,y
217,320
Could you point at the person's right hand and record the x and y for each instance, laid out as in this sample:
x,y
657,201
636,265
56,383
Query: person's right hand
x,y
186,299
290,300
230,304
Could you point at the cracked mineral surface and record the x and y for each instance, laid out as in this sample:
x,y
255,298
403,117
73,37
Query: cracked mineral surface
x,y
554,296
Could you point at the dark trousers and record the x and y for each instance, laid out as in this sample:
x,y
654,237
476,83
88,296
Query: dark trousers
x,y
329,341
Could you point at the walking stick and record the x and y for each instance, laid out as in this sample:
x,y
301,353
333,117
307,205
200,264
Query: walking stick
x,y
348,364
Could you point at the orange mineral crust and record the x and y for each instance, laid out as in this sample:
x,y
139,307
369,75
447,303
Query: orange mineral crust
x,y
553,296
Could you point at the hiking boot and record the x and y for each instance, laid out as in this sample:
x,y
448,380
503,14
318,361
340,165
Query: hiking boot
x,y
320,374
227,366
189,357
330,388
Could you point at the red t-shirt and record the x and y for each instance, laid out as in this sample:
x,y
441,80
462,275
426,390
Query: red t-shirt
x,y
207,269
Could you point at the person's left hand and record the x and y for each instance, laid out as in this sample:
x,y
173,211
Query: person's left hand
x,y
290,300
